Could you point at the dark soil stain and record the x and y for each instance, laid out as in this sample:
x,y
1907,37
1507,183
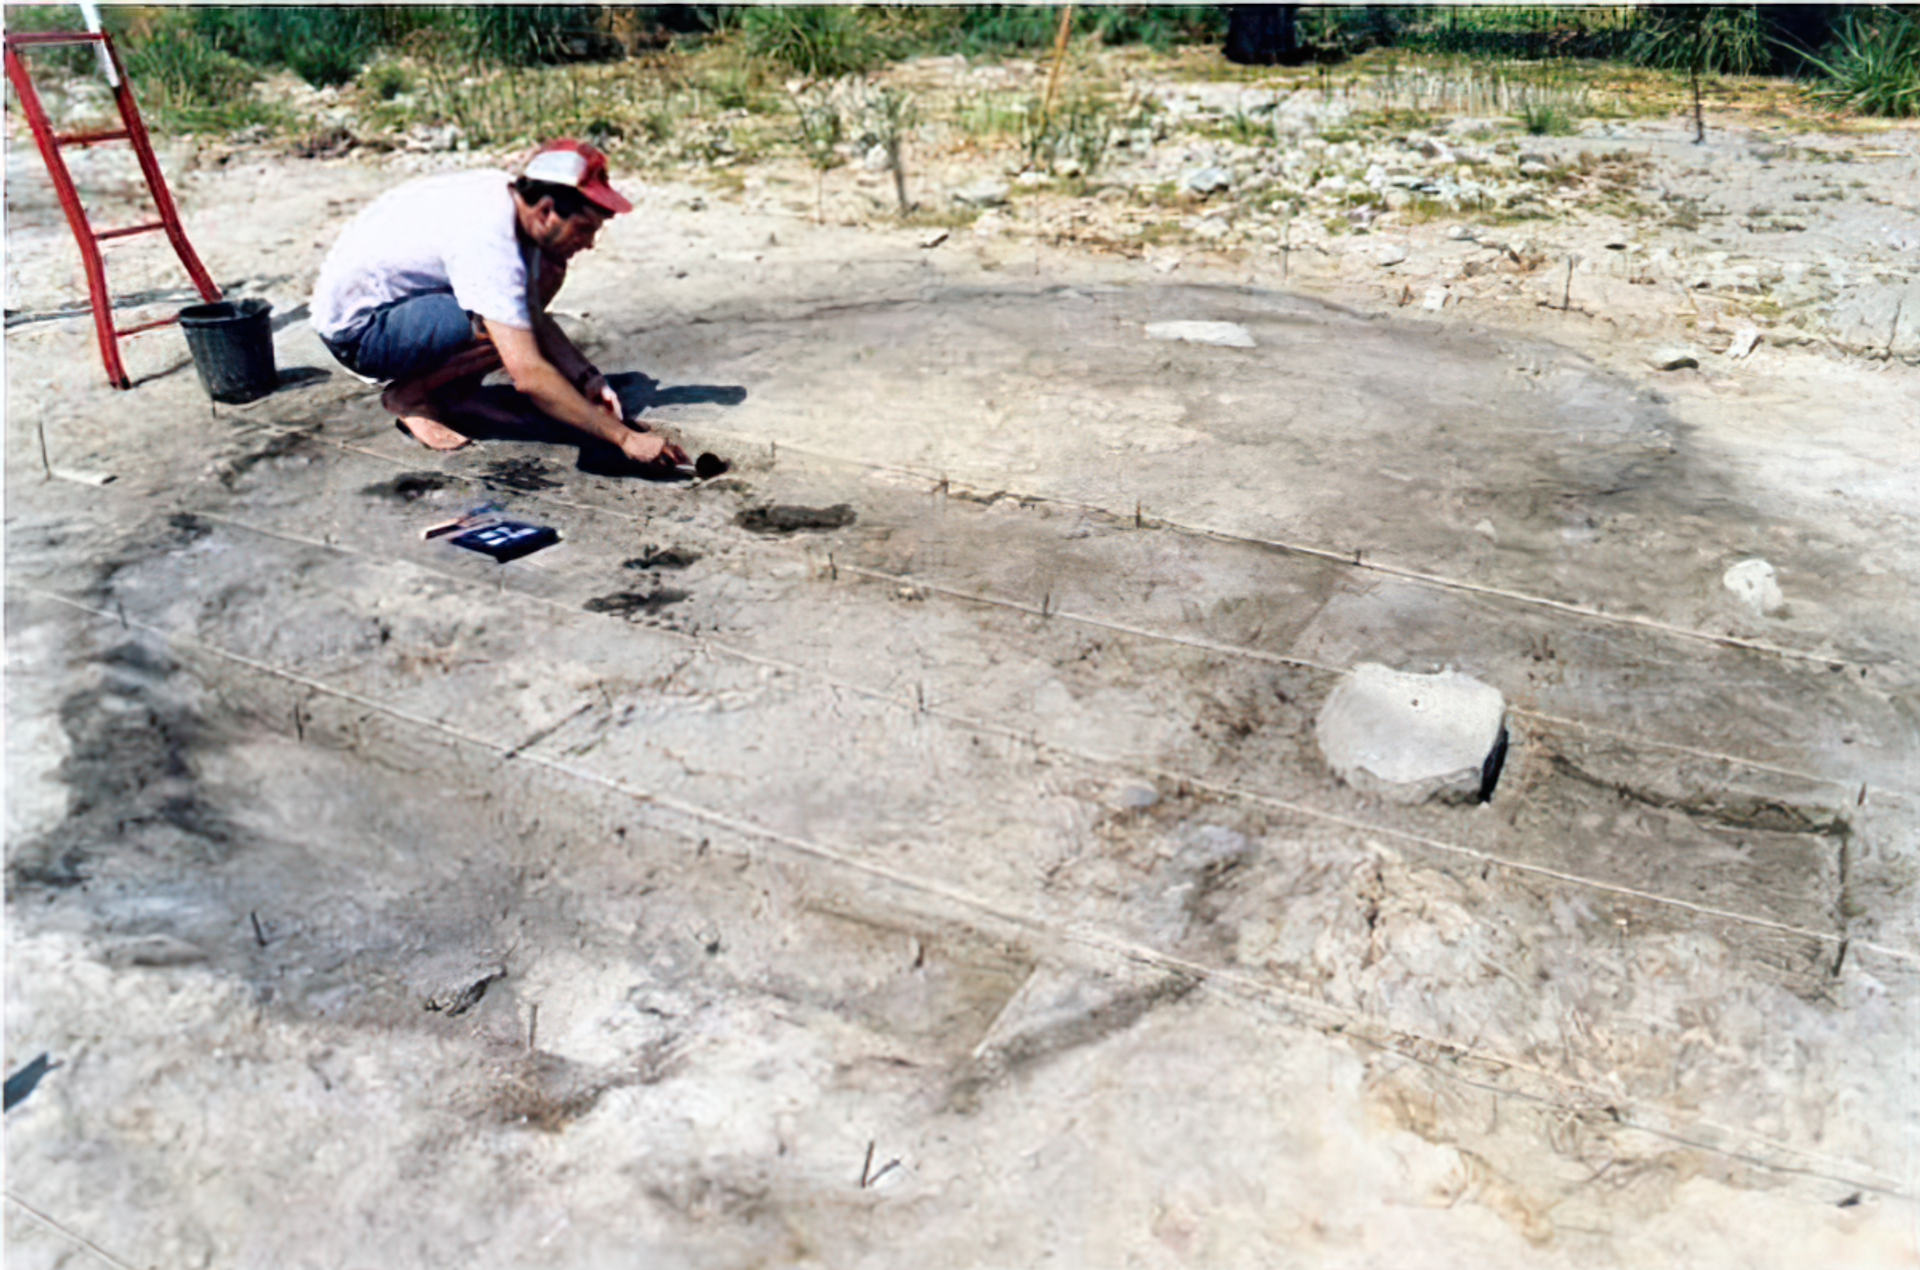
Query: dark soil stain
x,y
408,486
141,543
1211,930
50,864
526,475
652,557
543,1091
784,519
285,446
189,529
464,998
131,777
632,604
985,500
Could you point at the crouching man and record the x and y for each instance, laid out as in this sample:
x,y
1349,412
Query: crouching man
x,y
447,279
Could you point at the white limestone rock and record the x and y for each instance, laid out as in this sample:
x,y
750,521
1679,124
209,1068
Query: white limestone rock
x,y
1755,585
1224,334
988,193
1207,180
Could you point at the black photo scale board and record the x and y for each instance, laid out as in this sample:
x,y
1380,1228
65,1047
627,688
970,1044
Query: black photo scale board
x,y
506,540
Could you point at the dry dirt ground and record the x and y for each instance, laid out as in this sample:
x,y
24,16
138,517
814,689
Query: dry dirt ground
x,y
958,883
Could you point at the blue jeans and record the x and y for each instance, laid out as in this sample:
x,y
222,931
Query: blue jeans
x,y
407,337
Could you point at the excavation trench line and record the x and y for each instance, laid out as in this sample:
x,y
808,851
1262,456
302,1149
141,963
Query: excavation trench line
x,y
1576,1095
1092,758
1892,1190
1230,650
61,1229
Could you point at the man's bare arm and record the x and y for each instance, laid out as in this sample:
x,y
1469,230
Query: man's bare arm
x,y
561,351
571,362
548,387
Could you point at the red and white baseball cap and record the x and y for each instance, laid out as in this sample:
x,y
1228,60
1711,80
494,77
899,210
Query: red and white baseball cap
x,y
575,163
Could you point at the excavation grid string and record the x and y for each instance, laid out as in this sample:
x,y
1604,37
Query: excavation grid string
x,y
1357,1024
59,1228
1277,659
1346,559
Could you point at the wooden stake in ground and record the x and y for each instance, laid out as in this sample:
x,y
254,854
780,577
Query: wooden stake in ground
x,y
1059,60
893,113
1699,118
899,175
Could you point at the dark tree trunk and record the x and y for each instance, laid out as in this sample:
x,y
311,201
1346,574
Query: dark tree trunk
x,y
1262,35
1796,30
1699,118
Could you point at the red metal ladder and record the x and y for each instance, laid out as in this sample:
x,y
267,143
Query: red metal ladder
x,y
132,130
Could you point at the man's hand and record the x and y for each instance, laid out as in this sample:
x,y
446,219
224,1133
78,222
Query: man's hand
x,y
592,407
647,447
638,444
596,389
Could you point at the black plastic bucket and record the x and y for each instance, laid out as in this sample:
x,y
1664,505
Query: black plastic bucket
x,y
232,347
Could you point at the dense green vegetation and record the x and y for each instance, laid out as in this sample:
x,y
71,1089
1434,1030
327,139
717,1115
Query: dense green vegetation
x,y
1873,65
195,64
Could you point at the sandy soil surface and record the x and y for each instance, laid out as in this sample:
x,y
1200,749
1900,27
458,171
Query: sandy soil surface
x,y
958,883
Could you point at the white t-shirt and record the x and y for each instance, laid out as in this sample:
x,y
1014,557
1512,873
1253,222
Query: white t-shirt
x,y
451,234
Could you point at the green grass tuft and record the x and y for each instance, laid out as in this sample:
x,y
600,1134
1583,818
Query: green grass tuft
x,y
819,41
188,84
1545,119
383,81
1873,64
1704,39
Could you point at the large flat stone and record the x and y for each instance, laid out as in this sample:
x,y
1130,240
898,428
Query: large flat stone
x,y
1410,737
